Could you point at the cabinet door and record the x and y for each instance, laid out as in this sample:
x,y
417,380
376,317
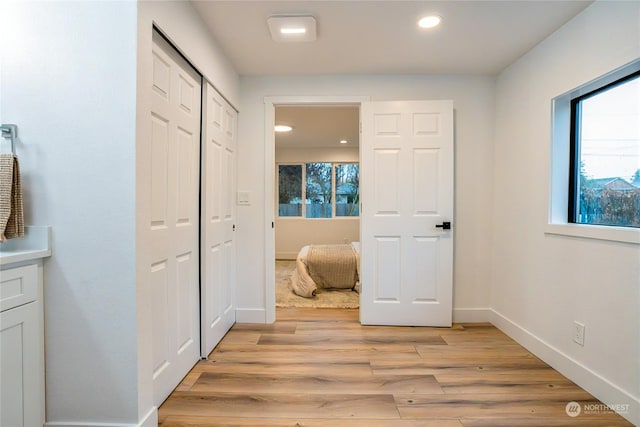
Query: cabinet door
x,y
21,367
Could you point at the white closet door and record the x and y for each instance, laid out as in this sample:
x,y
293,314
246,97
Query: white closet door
x,y
406,166
218,219
174,227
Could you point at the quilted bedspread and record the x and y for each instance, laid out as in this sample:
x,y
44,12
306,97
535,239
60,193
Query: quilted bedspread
x,y
326,267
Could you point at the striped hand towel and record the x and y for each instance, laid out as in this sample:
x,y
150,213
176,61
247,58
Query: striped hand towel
x,y
11,211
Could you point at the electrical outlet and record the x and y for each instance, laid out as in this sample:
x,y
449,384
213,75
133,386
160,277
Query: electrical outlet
x,y
578,333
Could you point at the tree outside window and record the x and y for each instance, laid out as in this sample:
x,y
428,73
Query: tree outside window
x,y
318,194
347,189
290,190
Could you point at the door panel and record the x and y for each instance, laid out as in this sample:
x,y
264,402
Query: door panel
x,y
387,184
388,268
218,219
174,227
425,181
407,189
425,253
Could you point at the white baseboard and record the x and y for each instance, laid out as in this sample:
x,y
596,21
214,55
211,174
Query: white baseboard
x,y
149,420
471,315
251,315
592,382
82,424
287,255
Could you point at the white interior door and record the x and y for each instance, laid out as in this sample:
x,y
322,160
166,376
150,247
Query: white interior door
x,y
218,219
174,227
406,164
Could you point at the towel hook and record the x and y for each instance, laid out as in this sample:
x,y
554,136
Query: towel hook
x,y
10,132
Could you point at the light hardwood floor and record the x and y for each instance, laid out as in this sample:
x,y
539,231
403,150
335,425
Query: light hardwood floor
x,y
320,367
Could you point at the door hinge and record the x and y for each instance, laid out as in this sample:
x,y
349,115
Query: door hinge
x,y
273,224
233,228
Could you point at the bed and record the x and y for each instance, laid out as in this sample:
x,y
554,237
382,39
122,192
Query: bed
x,y
321,267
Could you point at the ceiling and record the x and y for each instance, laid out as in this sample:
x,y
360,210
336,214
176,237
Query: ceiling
x,y
318,126
377,37
381,37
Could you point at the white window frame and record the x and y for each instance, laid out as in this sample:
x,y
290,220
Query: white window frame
x,y
558,222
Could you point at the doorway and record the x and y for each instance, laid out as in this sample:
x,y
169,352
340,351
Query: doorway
x,y
319,113
317,203
407,238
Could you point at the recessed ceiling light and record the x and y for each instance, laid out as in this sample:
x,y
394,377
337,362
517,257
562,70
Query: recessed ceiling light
x,y
299,30
343,141
282,128
292,28
429,21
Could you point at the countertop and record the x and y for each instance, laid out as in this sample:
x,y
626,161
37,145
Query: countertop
x,y
35,244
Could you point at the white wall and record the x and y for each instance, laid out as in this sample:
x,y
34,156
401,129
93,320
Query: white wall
x,y
473,100
69,76
542,283
301,155
294,233
68,82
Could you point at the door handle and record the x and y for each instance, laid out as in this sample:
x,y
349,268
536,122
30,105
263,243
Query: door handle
x,y
446,225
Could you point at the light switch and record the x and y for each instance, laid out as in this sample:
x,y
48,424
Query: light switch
x,y
243,198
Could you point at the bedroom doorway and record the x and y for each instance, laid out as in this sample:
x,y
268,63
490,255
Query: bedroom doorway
x,y
406,144
316,199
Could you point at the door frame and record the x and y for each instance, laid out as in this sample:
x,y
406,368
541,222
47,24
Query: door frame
x,y
270,102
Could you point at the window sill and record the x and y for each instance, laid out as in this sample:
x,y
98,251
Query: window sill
x,y
597,232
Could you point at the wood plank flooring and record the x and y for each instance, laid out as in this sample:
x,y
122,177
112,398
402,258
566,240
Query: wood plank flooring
x,y
320,367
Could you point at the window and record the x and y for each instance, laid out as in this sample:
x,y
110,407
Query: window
x,y
348,190
604,179
330,190
290,190
319,191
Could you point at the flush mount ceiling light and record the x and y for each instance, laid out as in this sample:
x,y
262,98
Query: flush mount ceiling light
x,y
343,141
429,21
292,28
282,128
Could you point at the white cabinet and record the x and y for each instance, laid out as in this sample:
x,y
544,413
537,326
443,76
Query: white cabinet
x,y
21,345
